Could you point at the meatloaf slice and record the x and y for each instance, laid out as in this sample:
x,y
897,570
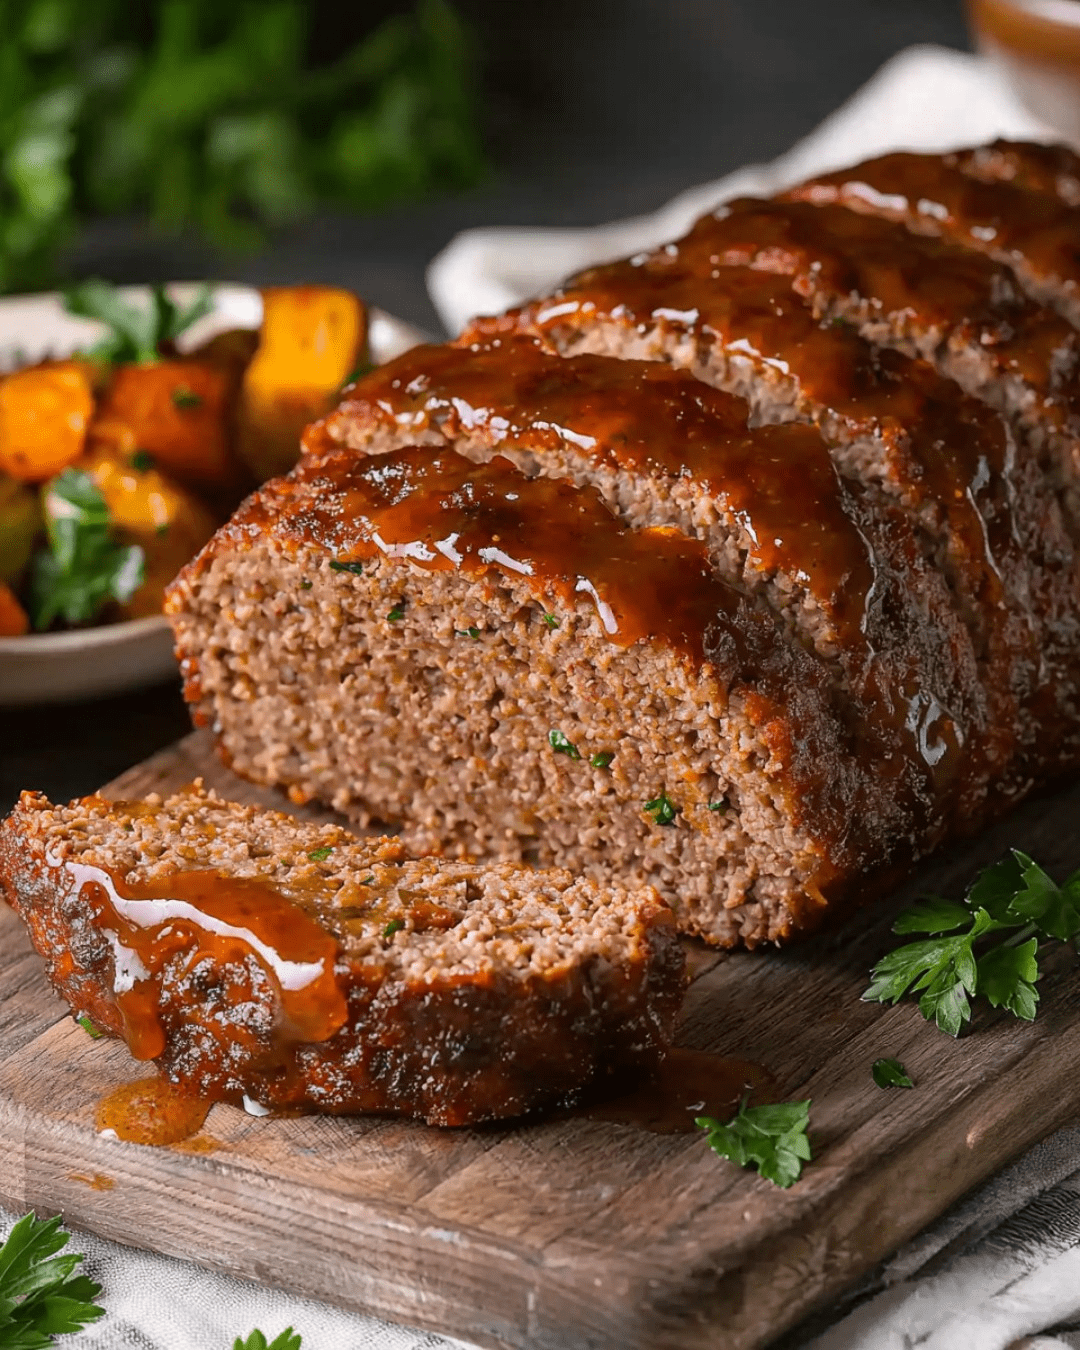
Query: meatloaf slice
x,y
1013,200
499,663
988,515
841,567
252,955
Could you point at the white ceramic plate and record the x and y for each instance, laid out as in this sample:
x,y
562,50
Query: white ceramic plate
x,y
61,667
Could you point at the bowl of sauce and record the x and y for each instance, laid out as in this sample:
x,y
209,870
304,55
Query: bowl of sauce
x,y
1036,44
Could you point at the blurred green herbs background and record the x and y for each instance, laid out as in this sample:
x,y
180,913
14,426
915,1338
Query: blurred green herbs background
x,y
213,116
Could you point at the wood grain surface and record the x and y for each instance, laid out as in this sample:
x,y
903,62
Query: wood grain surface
x,y
566,1233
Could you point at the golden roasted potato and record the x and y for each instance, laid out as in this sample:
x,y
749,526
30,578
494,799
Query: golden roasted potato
x,y
20,524
311,340
145,507
179,412
14,620
44,414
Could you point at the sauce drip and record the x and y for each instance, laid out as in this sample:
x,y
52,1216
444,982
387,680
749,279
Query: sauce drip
x,y
152,1111
97,1182
170,923
687,1084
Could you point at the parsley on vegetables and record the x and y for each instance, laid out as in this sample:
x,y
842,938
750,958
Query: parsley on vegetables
x,y
142,461
394,926
771,1138
40,1296
337,566
288,1340
889,1073
562,746
603,759
136,333
321,854
89,1028
84,567
964,956
662,809
185,398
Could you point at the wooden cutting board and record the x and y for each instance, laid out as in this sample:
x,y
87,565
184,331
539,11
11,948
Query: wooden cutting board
x,y
571,1232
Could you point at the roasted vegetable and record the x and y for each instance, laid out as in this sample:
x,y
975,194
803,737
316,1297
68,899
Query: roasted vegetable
x,y
20,524
44,413
85,567
178,412
168,523
14,620
311,340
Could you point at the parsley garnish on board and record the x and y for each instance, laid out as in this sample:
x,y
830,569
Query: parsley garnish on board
x,y
967,953
89,1028
83,568
890,1073
40,1297
137,333
662,809
771,1138
562,746
288,1340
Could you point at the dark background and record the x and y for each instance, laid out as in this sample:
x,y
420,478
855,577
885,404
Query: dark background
x,y
593,109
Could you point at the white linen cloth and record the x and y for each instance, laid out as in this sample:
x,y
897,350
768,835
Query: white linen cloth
x,y
1000,1270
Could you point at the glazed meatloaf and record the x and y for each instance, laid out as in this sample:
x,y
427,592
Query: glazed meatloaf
x,y
254,956
781,589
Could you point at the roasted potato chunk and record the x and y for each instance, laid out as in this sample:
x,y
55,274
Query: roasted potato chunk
x,y
311,340
145,507
179,412
14,620
20,524
44,413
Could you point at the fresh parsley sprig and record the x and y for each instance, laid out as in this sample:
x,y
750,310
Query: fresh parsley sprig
x,y
962,958
771,1138
136,333
40,1297
84,567
288,1340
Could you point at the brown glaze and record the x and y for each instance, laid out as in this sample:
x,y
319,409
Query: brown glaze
x,y
832,254
152,1111
686,1084
1026,217
649,420
189,918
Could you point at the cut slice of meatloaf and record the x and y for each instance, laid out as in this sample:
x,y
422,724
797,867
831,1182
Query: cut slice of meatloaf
x,y
252,955
499,663
959,310
1013,200
840,566
985,507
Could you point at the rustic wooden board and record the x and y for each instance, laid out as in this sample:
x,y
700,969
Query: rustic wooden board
x,y
571,1232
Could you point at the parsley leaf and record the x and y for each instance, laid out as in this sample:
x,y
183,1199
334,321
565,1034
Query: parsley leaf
x,y
337,566
772,1138
142,461
40,1297
469,632
84,568
89,1028
321,854
890,1073
185,398
562,746
603,759
662,809
948,971
722,805
551,621
394,926
288,1340
137,334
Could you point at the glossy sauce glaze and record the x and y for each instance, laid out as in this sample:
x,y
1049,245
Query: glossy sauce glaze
x,y
151,1111
647,420
162,931
1017,204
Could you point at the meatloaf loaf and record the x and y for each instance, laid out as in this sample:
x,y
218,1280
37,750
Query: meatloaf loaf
x,y
682,638
252,955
